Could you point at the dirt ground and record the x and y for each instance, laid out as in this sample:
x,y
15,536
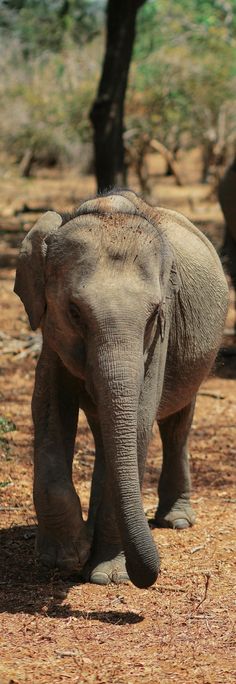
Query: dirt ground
x,y
182,628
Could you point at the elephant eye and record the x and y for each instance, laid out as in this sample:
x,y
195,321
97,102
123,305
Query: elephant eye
x,y
74,312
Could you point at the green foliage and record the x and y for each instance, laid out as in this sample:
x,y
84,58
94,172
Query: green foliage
x,y
49,24
6,425
182,79
185,67
46,101
164,22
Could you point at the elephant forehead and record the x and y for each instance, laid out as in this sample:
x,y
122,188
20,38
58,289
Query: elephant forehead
x,y
120,253
107,228
116,243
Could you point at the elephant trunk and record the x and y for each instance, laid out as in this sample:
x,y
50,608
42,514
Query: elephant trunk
x,y
118,386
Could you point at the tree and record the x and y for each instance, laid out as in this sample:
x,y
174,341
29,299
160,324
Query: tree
x,y
183,76
108,109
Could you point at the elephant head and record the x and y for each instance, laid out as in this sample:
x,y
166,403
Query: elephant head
x,y
99,283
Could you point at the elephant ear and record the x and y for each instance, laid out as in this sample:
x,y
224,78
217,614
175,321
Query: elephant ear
x,y
30,278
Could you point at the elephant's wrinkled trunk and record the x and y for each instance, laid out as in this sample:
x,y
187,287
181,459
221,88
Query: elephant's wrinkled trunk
x,y
118,384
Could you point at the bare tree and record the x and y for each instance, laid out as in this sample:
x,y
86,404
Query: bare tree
x,y
108,109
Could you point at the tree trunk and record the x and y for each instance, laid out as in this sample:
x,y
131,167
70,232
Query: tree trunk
x,y
107,111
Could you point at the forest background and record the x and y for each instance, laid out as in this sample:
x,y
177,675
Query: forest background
x,y
181,89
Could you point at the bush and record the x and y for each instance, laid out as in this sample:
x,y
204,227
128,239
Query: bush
x,y
183,76
46,101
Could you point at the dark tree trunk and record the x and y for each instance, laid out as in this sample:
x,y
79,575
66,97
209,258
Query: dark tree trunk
x,y
107,111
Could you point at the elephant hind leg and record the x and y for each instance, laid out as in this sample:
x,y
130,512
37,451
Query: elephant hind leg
x,y
174,509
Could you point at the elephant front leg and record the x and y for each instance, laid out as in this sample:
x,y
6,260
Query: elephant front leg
x,y
62,538
174,508
106,564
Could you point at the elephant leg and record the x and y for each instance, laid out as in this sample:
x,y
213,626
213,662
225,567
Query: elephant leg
x,y
174,509
62,539
107,562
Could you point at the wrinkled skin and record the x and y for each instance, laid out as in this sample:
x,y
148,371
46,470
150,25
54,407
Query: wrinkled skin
x,y
132,302
227,199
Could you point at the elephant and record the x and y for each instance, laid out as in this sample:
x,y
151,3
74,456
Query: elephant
x,y
131,300
227,199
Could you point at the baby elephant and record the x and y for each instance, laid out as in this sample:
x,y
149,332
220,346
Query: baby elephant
x,y
131,301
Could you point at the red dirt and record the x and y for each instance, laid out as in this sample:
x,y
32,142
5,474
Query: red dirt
x,y
55,631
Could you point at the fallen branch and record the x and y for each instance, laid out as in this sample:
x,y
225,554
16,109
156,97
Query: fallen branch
x,y
207,580
170,588
197,548
213,395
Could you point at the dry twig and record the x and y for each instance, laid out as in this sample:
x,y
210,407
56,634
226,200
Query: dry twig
x,y
207,580
208,393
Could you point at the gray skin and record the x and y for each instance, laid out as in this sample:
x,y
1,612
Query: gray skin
x,y
132,303
227,199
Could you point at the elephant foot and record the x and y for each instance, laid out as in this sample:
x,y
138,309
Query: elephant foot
x,y
62,540
68,556
180,517
107,567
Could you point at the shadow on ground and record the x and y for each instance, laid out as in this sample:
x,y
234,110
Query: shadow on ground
x,y
26,588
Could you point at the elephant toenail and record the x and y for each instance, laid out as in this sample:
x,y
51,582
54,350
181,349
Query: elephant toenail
x,y
99,578
181,524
